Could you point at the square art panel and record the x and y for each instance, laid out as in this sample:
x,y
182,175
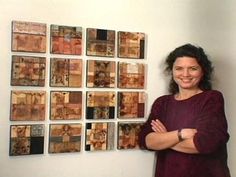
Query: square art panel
x,y
66,40
66,72
131,45
131,104
26,139
128,135
28,37
28,71
66,105
100,105
131,75
28,105
99,136
65,138
101,73
100,42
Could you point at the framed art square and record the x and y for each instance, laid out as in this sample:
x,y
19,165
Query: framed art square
x,y
28,37
131,104
66,105
65,72
128,135
100,42
131,75
131,45
28,105
99,136
26,139
100,105
65,138
66,40
28,71
101,74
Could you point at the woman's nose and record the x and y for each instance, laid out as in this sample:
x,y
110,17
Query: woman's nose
x,y
186,72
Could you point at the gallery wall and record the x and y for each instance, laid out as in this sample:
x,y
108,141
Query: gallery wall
x,y
167,24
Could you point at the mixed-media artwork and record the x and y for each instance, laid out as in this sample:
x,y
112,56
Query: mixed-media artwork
x,y
28,71
101,73
100,42
26,139
66,105
65,138
28,105
99,136
66,40
131,45
128,135
66,72
131,75
131,104
28,37
100,105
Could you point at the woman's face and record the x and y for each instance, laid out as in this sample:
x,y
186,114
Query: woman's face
x,y
187,73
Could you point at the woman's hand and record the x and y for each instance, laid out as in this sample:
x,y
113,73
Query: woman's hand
x,y
158,127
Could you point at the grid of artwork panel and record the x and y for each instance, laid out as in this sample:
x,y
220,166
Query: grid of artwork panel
x,y
66,105
66,40
26,139
28,105
109,91
66,72
100,42
29,37
99,136
128,135
100,105
65,138
28,71
101,74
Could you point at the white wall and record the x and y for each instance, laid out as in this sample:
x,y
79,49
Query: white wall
x,y
167,23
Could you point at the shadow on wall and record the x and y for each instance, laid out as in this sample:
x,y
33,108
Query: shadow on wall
x,y
212,27
210,21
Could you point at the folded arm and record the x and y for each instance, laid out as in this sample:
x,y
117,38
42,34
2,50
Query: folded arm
x,y
162,139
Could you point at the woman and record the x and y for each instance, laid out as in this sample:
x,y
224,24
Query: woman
x,y
188,128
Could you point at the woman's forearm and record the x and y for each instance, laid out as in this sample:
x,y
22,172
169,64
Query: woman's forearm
x,y
186,146
160,141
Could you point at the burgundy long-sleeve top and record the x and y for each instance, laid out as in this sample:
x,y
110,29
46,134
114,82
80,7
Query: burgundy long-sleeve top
x,y
204,112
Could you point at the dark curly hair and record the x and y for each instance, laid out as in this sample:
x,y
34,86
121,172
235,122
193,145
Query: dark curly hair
x,y
189,50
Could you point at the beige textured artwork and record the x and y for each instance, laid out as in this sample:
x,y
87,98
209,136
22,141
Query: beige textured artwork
x,y
28,105
131,45
128,135
66,105
66,72
99,136
26,139
100,105
131,75
131,104
101,74
100,42
65,138
28,71
28,37
66,40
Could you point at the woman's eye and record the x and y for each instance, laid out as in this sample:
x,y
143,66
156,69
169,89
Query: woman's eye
x,y
194,68
178,68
